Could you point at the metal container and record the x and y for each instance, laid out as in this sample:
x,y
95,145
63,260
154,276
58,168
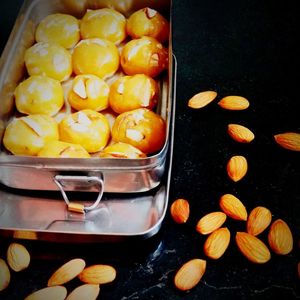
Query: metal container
x,y
133,192
116,175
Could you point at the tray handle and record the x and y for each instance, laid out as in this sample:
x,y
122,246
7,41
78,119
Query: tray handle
x,y
62,181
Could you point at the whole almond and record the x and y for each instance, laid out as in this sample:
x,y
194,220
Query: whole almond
x,y
4,275
288,140
211,222
98,274
252,248
237,167
180,210
234,103
259,219
67,272
202,99
18,258
189,275
49,293
280,237
85,291
233,207
217,243
240,133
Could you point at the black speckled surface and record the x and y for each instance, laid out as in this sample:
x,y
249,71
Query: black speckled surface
x,y
248,48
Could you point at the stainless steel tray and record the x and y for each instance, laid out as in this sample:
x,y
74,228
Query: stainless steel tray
x,y
117,175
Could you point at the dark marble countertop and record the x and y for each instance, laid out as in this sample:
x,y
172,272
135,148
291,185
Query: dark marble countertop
x,y
248,48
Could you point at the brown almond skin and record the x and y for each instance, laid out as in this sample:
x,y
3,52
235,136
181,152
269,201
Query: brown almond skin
x,y
240,133
190,274
4,275
234,103
252,248
280,237
52,292
211,222
233,207
67,272
237,167
180,211
98,274
217,243
288,140
18,257
202,99
259,219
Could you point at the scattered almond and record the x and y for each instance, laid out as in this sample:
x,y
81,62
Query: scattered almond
x,y
18,258
288,140
210,222
237,167
252,248
49,293
280,237
98,274
202,99
85,292
67,272
234,103
240,133
259,219
217,243
189,275
4,275
180,210
233,207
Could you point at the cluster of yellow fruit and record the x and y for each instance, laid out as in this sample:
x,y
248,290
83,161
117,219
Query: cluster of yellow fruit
x,y
99,63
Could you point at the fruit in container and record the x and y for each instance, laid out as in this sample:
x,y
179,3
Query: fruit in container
x,y
148,22
28,135
95,56
48,59
145,55
89,92
39,95
141,128
103,23
62,29
133,92
87,128
63,149
121,150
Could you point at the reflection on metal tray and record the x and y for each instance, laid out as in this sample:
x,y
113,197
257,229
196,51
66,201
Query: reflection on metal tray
x,y
34,173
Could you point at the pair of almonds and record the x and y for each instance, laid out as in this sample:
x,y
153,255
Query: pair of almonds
x,y
230,102
95,274
92,276
85,291
280,240
18,259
